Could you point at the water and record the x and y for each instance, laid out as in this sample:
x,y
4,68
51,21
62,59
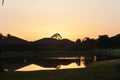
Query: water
x,y
48,63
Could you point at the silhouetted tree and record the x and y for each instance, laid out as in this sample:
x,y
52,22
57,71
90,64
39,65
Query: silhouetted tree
x,y
56,36
9,35
103,42
77,44
115,41
88,43
1,36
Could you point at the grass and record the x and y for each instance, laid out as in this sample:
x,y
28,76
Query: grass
x,y
104,70
114,52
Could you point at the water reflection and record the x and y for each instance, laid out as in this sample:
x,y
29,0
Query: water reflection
x,y
78,64
61,57
47,63
33,67
72,66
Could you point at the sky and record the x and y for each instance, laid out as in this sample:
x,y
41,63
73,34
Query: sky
x,y
73,19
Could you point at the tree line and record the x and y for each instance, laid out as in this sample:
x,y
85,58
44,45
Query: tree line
x,y
55,42
102,42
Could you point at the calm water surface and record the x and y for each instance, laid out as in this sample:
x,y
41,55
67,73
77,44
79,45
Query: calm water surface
x,y
62,63
49,63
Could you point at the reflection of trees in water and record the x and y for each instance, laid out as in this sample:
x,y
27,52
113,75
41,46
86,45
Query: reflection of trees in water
x,y
85,60
90,59
80,61
16,63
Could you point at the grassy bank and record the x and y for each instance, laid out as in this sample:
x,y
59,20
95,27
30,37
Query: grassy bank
x,y
104,70
111,53
114,52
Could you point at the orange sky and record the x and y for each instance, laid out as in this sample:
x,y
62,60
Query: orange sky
x,y
73,19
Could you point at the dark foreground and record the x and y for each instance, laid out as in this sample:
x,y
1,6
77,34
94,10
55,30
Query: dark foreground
x,y
104,70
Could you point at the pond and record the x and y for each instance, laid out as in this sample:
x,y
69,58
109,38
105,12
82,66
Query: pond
x,y
47,63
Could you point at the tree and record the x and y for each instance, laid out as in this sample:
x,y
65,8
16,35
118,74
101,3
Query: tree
x,y
88,43
9,35
103,42
115,41
1,36
56,36
78,44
